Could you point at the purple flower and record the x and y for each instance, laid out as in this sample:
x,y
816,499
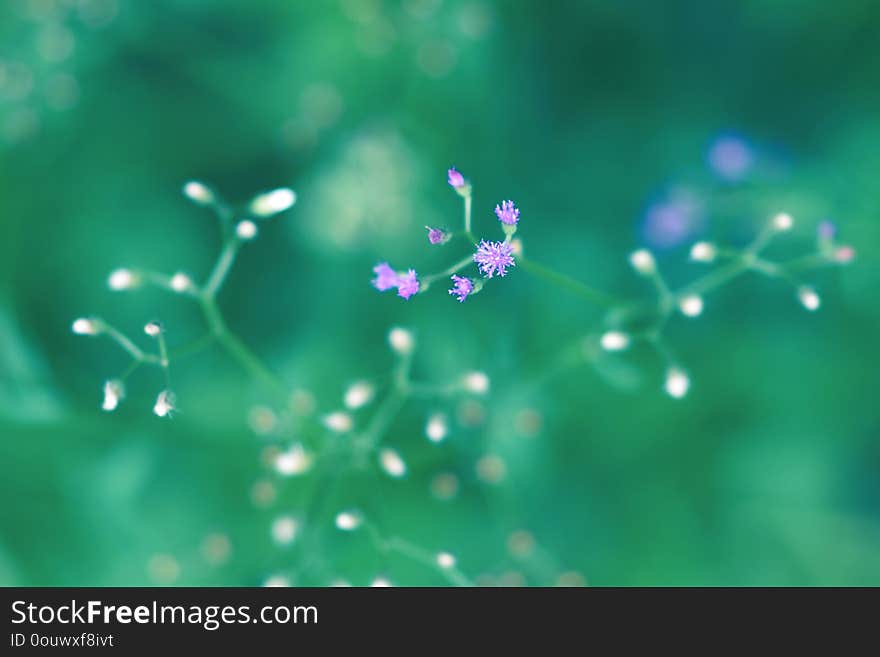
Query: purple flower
x,y
507,213
436,235
494,258
827,230
454,178
730,157
386,278
408,284
462,287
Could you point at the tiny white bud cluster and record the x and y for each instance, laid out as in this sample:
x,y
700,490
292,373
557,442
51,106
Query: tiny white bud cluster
x,y
437,428
122,279
348,520
392,463
445,560
476,382
294,461
164,405
198,193
246,230
114,392
181,283
401,340
614,341
272,202
359,394
643,262
85,326
153,329
809,298
691,305
338,421
703,252
782,222
284,529
677,383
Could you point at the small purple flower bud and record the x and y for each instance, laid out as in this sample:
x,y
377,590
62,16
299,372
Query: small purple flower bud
x,y
454,178
731,157
408,284
507,213
386,278
494,258
462,287
437,236
827,230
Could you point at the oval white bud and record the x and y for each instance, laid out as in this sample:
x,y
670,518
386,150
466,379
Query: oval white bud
x,y
380,582
782,222
437,428
164,405
284,529
114,392
445,560
198,193
392,463
85,326
476,382
691,305
272,202
809,298
643,262
677,383
339,421
294,461
180,282
359,394
348,520
614,341
122,279
703,252
277,581
153,329
246,230
401,340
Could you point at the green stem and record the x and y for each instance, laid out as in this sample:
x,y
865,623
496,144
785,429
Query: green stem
x,y
221,268
570,284
458,266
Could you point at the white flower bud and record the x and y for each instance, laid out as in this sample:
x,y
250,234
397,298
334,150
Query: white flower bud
x,y
122,279
808,298
476,382
164,405
85,326
180,282
703,252
339,421
445,560
198,193
284,529
277,581
677,383
643,262
614,341
153,329
246,230
273,202
401,340
359,394
436,429
348,520
294,461
114,392
782,222
380,582
392,463
691,305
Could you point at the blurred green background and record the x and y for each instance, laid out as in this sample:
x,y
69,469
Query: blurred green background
x,y
602,120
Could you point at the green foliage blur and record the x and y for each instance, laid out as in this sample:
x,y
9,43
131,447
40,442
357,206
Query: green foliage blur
x,y
585,113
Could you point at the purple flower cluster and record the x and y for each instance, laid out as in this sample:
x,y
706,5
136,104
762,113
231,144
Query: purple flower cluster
x,y
437,236
454,178
461,288
494,258
407,284
507,213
